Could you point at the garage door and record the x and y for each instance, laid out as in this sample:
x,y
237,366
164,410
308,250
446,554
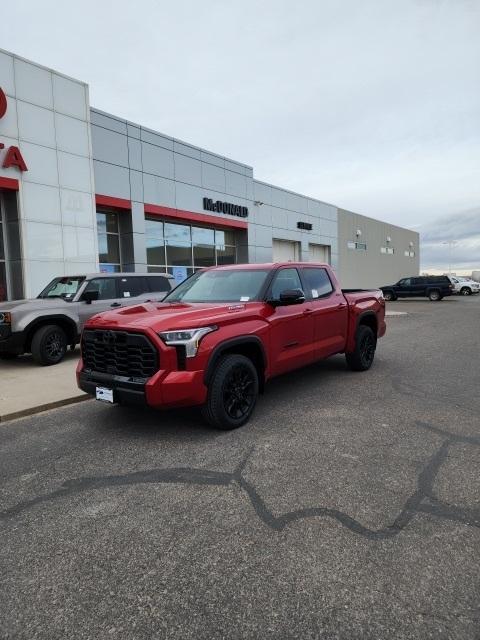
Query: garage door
x,y
319,253
284,250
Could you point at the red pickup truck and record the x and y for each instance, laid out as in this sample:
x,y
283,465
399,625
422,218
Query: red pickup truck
x,y
221,334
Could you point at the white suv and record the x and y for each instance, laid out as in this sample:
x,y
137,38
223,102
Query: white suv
x,y
464,286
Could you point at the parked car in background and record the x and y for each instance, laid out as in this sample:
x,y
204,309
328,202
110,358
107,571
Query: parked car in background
x,y
464,286
433,287
221,334
46,325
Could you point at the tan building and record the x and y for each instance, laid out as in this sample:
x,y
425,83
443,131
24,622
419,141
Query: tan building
x,y
372,253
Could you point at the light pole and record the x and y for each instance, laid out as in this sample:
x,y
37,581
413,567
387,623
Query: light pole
x,y
451,243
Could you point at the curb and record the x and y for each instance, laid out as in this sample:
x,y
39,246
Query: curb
x,y
43,407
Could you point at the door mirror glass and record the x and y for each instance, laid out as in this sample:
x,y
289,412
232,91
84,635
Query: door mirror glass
x,y
90,296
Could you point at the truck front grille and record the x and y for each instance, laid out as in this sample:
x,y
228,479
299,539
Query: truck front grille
x,y
119,353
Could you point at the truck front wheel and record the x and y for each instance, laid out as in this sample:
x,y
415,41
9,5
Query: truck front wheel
x,y
362,357
232,393
49,345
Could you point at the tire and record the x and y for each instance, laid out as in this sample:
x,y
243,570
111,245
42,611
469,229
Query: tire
x,y
434,295
7,355
49,345
361,359
232,393
466,291
389,296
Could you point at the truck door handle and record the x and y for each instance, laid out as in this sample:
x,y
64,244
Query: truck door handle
x,y
116,304
307,311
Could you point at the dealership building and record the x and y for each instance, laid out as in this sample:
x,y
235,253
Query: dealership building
x,y
84,191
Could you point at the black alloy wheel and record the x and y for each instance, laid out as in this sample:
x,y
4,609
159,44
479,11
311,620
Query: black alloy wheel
x,y
367,349
232,392
361,359
53,345
49,345
465,291
238,391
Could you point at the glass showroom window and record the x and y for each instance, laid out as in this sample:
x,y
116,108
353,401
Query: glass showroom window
x,y
3,260
181,249
155,241
225,247
178,246
203,247
108,242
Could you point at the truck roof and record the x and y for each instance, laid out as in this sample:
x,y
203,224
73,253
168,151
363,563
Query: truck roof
x,y
89,276
270,265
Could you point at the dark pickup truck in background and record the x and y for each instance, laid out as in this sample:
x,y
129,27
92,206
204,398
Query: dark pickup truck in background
x,y
220,335
433,287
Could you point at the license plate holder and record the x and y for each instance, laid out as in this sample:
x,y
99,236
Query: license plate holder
x,y
104,394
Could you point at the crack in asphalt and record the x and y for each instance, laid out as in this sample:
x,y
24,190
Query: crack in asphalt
x,y
422,501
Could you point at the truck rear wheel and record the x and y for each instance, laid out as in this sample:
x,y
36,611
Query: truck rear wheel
x,y
232,393
49,345
362,357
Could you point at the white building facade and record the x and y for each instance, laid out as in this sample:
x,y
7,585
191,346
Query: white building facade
x,y
83,191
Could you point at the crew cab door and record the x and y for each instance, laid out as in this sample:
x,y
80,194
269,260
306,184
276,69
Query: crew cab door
x,y
330,312
418,286
403,288
108,298
291,325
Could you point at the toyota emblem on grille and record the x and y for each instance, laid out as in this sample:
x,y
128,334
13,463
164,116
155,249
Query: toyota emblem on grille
x,y
109,337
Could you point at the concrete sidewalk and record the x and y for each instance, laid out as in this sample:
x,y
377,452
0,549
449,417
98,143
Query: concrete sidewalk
x,y
27,388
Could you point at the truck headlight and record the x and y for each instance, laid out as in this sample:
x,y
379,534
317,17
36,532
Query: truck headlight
x,y
5,318
189,338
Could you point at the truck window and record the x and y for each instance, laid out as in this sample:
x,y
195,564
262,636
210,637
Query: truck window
x,y
105,286
132,286
159,283
62,288
285,279
318,282
224,285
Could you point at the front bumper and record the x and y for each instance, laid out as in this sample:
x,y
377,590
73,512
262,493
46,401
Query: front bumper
x,y
163,390
11,342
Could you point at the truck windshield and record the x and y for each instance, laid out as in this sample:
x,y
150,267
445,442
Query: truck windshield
x,y
65,288
225,285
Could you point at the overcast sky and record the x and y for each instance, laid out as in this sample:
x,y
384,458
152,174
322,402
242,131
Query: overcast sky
x,y
372,105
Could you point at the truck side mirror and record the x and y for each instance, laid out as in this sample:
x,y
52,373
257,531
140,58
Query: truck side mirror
x,y
292,296
89,296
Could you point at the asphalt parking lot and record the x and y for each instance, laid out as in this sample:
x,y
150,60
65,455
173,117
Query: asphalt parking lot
x,y
348,508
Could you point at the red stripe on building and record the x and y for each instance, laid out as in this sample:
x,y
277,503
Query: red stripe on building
x,y
191,216
114,203
9,183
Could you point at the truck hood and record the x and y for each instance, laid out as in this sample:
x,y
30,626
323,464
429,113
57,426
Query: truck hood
x,y
165,316
35,304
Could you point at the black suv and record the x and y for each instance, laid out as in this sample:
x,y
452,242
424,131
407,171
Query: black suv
x,y
433,287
